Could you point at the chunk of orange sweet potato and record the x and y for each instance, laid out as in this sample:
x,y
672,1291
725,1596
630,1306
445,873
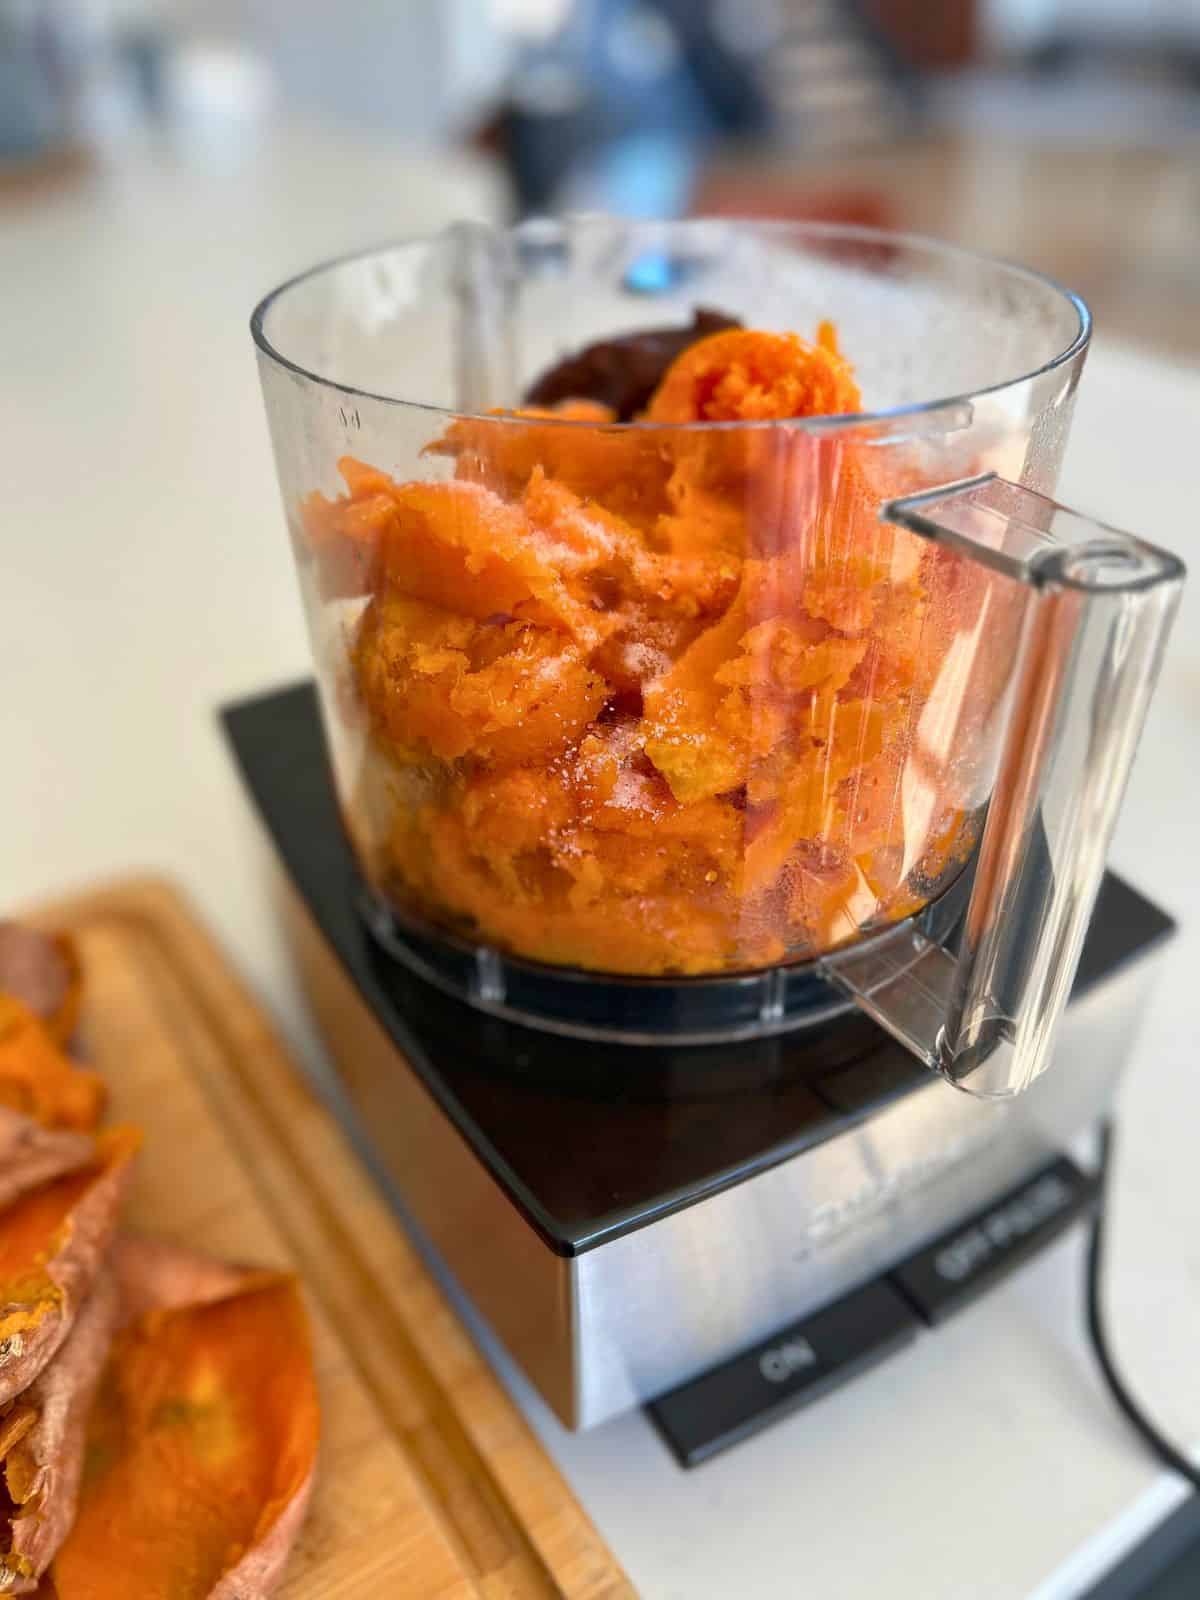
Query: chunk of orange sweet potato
x,y
625,470
37,1077
435,683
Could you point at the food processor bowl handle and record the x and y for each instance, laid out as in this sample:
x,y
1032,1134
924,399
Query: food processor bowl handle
x,y
1098,609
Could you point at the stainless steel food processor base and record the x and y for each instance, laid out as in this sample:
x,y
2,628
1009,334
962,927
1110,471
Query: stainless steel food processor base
x,y
612,1327
627,1219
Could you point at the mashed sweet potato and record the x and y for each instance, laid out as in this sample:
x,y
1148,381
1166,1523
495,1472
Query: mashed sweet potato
x,y
654,700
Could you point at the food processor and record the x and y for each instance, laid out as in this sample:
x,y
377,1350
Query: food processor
x,y
720,726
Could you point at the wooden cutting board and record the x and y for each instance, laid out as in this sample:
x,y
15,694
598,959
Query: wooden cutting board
x,y
431,1482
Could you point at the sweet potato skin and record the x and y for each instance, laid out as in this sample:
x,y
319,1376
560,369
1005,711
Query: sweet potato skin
x,y
44,1289
31,1155
69,1287
203,1436
259,1571
42,972
156,1274
46,1465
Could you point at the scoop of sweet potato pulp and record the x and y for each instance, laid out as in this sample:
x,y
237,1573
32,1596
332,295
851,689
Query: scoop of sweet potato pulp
x,y
52,1245
659,699
746,376
202,1439
38,1078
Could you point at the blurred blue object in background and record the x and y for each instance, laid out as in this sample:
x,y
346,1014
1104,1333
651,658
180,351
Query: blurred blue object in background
x,y
614,110
649,174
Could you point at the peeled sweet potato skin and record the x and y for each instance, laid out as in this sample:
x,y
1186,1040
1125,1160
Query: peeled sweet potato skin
x,y
31,1155
43,972
156,1274
53,1243
43,1469
203,1438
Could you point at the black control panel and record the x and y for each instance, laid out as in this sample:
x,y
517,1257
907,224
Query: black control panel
x,y
809,1358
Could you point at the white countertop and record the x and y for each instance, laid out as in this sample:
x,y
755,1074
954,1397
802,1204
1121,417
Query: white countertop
x,y
146,578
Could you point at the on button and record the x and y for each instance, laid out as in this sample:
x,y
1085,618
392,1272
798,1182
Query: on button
x,y
796,1366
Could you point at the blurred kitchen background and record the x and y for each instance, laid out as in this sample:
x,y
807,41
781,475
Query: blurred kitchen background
x,y
1062,132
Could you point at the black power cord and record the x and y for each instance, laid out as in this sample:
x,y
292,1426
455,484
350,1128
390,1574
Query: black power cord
x,y
1169,1454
